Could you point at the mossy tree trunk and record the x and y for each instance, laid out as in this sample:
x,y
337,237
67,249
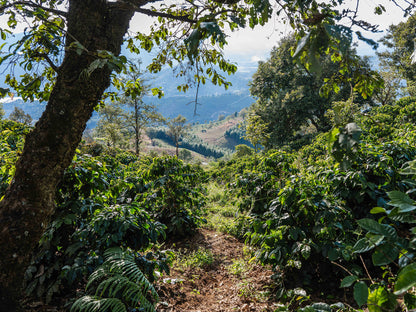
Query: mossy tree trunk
x,y
29,201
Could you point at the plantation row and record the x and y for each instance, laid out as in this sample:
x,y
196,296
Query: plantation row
x,y
112,207
334,218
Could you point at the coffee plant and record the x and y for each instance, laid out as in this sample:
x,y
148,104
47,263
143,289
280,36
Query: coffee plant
x,y
174,194
93,215
392,242
114,201
304,210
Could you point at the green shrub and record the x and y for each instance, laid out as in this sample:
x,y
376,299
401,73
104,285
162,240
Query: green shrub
x,y
175,195
303,208
97,209
392,242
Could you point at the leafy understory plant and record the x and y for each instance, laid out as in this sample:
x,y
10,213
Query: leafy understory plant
x,y
392,240
117,285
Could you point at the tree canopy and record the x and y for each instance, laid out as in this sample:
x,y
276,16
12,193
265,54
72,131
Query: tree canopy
x,y
400,41
289,97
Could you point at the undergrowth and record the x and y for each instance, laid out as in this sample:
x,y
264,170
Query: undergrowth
x,y
221,211
200,258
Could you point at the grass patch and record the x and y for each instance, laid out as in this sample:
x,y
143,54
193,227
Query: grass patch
x,y
221,210
241,266
199,258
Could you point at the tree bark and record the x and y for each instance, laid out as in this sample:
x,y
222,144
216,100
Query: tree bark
x,y
29,201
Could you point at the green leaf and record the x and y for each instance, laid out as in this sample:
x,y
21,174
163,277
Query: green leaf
x,y
3,92
380,300
406,279
305,251
354,130
333,254
363,245
321,307
401,201
348,281
338,306
385,254
377,228
376,210
360,293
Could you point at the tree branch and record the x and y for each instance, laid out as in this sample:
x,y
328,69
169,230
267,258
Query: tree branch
x,y
33,5
181,18
48,60
137,7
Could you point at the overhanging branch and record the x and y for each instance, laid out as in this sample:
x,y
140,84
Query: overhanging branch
x,y
33,5
48,60
182,18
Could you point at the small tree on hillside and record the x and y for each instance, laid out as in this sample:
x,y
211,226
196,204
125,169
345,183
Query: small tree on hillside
x,y
136,113
1,111
19,115
256,130
177,129
111,126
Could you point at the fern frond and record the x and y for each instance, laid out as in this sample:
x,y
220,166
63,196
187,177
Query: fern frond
x,y
99,274
92,304
138,297
118,277
109,284
129,269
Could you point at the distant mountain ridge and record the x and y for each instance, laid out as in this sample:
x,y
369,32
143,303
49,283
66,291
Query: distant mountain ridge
x,y
212,100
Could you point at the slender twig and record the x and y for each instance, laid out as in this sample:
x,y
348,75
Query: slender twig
x,y
48,60
342,267
366,270
355,12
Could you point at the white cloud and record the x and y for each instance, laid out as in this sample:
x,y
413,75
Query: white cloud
x,y
9,100
257,41
256,59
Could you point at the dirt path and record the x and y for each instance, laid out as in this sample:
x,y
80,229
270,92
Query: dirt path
x,y
230,283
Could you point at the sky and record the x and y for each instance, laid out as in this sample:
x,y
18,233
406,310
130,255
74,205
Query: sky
x,y
252,45
248,46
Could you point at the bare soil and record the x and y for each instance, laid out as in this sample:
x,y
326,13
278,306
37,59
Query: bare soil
x,y
215,287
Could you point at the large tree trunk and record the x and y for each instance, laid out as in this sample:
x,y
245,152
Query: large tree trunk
x,y
50,147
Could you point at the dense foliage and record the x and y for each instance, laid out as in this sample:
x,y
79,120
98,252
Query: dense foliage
x,y
289,97
106,201
312,214
399,58
307,211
